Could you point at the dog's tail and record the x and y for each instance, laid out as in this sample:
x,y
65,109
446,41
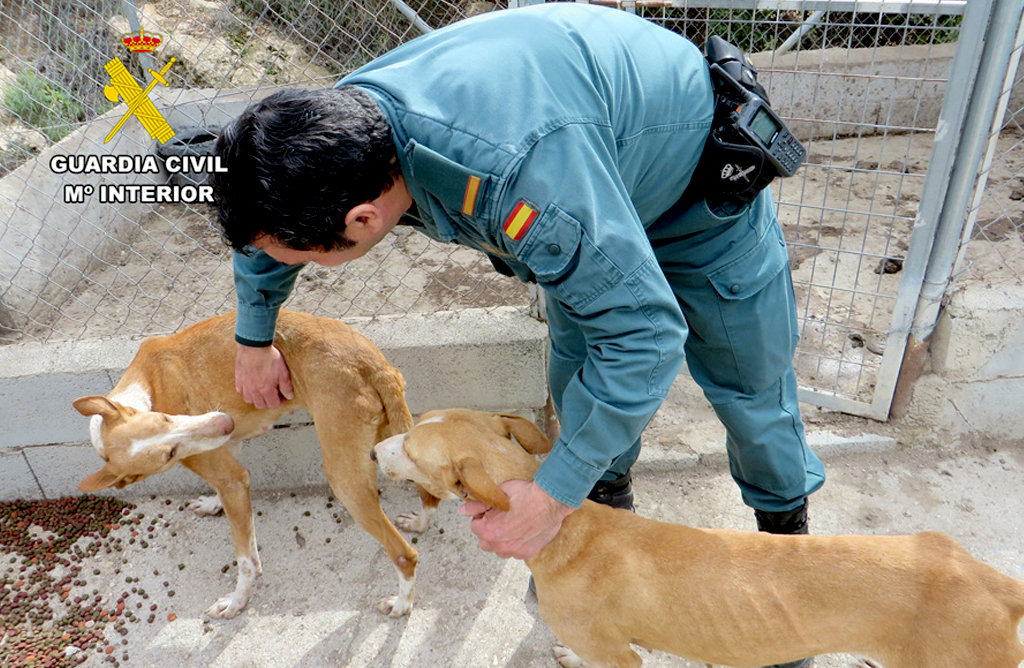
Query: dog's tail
x,y
390,386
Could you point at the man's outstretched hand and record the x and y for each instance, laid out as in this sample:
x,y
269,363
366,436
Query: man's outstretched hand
x,y
533,519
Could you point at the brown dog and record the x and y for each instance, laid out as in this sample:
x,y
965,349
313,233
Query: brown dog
x,y
176,404
734,598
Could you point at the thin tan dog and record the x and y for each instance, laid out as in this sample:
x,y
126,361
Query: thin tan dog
x,y
734,598
176,404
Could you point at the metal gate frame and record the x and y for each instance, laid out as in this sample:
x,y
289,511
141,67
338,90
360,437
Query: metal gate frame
x,y
987,55
982,68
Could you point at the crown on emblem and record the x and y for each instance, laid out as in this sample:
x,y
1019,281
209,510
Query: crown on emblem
x,y
141,42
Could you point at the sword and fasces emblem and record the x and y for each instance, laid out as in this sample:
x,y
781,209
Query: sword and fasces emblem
x,y
123,86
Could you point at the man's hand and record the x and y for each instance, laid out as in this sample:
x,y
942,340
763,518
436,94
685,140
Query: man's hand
x,y
531,522
261,376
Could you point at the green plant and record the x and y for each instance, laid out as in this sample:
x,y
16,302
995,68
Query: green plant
x,y
239,39
43,104
757,30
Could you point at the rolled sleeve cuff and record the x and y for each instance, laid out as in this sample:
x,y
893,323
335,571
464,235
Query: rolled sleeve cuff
x,y
255,325
565,477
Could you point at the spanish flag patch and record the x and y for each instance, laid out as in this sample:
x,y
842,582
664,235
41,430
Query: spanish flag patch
x,y
519,220
469,198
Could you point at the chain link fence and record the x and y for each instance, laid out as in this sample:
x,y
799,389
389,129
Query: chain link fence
x,y
154,269
862,89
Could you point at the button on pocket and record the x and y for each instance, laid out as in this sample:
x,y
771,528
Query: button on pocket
x,y
550,243
749,273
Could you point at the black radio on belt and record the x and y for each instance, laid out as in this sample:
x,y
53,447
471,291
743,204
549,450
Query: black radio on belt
x,y
749,145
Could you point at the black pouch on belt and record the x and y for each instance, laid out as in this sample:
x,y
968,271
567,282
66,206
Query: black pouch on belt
x,y
748,145
730,171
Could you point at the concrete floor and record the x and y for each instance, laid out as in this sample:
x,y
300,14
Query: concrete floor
x,y
314,606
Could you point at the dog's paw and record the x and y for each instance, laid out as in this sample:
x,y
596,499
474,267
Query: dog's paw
x,y
567,658
227,607
413,522
206,505
395,606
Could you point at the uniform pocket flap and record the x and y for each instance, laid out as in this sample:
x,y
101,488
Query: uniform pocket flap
x,y
552,244
748,274
458,188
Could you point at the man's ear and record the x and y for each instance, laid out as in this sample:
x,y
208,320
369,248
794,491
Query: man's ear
x,y
364,221
529,436
472,476
102,479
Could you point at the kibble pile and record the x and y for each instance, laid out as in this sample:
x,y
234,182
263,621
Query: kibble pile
x,y
54,609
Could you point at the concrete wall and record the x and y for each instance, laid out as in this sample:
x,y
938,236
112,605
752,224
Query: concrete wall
x,y
47,245
488,360
857,89
973,388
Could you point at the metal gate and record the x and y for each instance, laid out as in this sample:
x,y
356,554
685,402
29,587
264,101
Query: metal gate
x,y
898,103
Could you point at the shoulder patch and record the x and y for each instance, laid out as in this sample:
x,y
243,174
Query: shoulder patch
x,y
469,199
519,221
458,188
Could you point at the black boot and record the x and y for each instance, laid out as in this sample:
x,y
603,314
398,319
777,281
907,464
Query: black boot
x,y
789,523
616,493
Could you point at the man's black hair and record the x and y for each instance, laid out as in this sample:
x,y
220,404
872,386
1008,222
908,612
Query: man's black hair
x,y
297,162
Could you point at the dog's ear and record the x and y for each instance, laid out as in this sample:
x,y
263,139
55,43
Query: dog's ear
x,y
102,479
472,476
529,436
96,405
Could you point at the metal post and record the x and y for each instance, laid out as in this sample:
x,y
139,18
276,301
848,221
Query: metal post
x,y
794,40
994,24
414,18
132,14
993,142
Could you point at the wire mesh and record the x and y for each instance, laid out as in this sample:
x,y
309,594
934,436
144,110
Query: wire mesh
x,y
862,90
164,266
994,239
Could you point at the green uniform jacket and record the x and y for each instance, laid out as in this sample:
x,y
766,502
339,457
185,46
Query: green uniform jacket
x,y
552,137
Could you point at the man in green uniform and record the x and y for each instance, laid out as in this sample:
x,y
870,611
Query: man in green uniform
x,y
562,140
